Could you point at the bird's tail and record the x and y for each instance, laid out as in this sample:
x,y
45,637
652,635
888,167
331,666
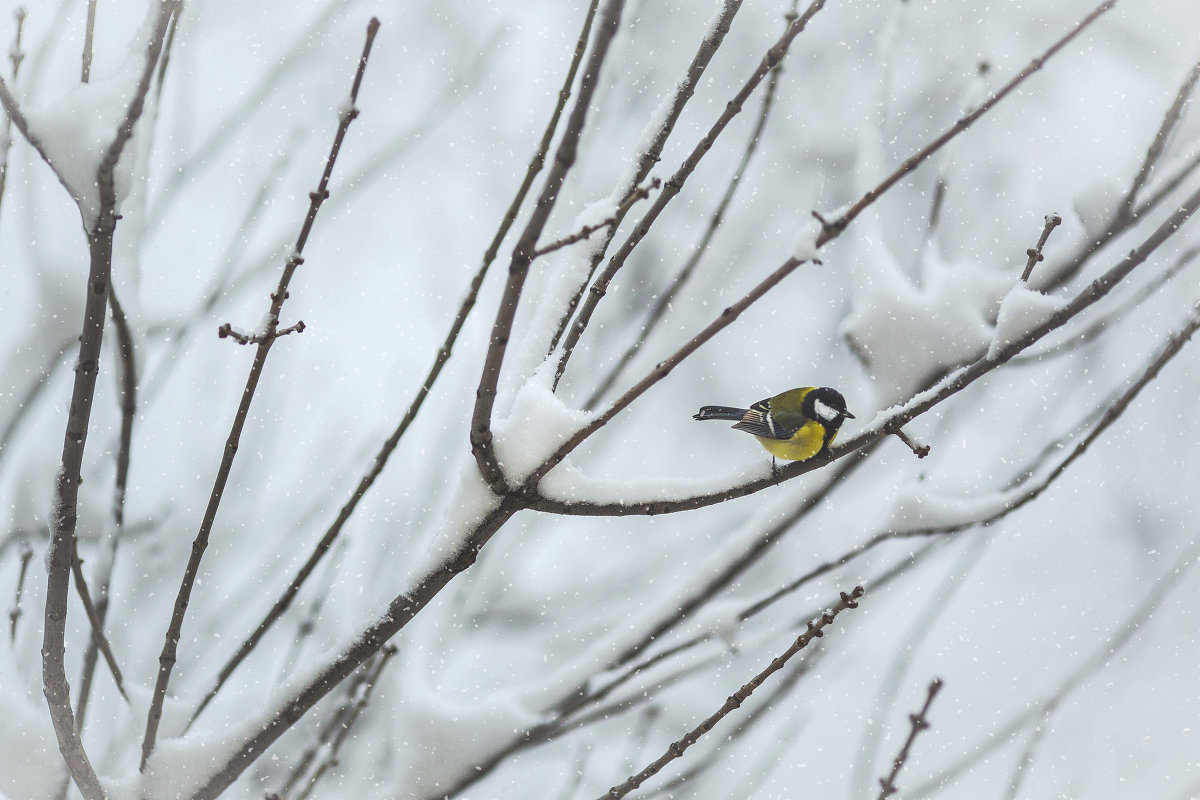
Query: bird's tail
x,y
720,412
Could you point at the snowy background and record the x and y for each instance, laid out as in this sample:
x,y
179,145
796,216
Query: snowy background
x,y
1065,632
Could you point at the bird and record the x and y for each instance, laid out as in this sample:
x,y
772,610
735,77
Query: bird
x,y
794,425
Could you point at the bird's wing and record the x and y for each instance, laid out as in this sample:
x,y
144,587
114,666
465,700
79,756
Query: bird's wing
x,y
761,422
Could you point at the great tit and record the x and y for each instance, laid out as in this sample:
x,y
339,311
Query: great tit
x,y
796,425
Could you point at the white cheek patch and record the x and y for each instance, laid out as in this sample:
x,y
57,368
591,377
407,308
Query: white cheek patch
x,y
825,412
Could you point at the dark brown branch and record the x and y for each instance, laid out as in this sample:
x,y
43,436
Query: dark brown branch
x,y
679,747
1034,254
443,356
61,557
674,185
523,252
653,153
920,722
714,223
270,334
128,405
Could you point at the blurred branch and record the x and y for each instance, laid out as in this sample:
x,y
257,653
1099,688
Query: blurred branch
x,y
679,747
61,557
85,70
887,786
682,94
832,229
324,751
714,222
674,184
15,57
1159,142
15,612
271,332
1073,682
523,252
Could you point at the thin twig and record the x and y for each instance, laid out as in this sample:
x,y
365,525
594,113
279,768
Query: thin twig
x,y
271,332
674,185
564,159
443,356
677,748
15,612
680,97
920,722
1034,254
334,742
61,557
658,312
639,193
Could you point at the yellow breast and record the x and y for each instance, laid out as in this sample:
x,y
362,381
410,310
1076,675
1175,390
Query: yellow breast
x,y
806,443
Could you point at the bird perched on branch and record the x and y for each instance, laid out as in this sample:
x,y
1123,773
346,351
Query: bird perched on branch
x,y
795,425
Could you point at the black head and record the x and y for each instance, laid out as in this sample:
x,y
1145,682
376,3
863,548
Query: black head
x,y
826,406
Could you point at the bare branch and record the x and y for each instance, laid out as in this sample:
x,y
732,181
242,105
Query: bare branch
x,y
682,94
677,748
887,786
676,182
271,332
714,222
61,557
15,56
523,252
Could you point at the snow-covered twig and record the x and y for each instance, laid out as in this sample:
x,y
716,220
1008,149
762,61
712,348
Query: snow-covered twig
x,y
675,183
679,747
85,68
919,721
270,333
639,193
523,252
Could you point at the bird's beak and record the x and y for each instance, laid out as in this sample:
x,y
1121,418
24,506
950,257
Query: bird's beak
x,y
848,415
